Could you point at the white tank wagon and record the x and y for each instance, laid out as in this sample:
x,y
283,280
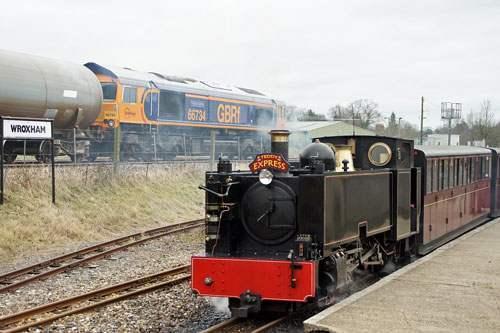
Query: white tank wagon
x,y
38,87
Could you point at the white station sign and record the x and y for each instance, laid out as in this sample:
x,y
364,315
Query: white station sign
x,y
27,129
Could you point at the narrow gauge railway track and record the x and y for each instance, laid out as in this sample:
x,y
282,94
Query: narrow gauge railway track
x,y
230,324
55,265
96,299
238,324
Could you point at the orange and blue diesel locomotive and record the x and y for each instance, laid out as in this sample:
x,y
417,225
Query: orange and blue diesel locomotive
x,y
280,236
149,113
166,115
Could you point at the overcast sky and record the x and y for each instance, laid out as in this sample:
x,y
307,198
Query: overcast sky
x,y
311,54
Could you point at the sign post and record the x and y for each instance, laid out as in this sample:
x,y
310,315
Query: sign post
x,y
13,128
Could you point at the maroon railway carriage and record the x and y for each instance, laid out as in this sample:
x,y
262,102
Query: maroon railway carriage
x,y
457,191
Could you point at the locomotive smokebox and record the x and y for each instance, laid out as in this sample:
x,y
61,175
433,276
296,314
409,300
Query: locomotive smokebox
x,y
279,142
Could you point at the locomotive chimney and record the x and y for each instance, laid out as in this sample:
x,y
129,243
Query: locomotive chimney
x,y
279,142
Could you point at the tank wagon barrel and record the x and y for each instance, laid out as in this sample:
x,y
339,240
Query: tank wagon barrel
x,y
38,87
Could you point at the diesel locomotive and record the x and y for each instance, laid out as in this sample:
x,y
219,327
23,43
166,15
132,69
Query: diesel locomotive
x,y
150,114
283,235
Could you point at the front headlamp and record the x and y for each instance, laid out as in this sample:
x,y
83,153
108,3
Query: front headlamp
x,y
265,177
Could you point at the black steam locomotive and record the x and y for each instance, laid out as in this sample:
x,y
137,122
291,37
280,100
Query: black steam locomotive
x,y
280,235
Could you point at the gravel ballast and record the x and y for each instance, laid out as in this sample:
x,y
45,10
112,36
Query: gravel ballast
x,y
171,309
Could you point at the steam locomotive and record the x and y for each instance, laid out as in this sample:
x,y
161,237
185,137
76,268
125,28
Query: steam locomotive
x,y
150,114
283,235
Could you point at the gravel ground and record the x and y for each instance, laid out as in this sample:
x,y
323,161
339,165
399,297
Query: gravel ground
x,y
174,309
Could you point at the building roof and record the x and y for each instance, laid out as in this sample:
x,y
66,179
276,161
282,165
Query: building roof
x,y
332,128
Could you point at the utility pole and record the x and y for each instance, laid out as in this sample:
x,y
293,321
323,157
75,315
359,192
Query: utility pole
x,y
422,123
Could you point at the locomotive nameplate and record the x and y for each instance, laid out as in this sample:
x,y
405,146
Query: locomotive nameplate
x,y
269,161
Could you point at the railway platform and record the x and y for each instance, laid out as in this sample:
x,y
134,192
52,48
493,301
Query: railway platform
x,y
455,288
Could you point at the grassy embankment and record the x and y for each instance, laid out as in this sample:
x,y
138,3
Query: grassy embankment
x,y
92,205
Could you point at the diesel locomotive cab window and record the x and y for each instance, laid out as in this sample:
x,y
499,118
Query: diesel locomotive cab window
x,y
108,91
264,117
172,104
379,154
129,95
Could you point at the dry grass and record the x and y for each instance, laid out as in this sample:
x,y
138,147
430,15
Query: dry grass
x,y
92,205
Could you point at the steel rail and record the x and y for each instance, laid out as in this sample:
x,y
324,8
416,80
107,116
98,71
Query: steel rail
x,y
225,324
101,303
12,318
160,232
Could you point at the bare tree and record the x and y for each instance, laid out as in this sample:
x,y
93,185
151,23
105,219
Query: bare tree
x,y
480,125
363,111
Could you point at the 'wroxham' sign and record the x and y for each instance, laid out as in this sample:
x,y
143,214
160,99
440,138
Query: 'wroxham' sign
x,y
27,129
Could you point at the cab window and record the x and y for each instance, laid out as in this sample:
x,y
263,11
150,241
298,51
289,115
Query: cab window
x,y
108,91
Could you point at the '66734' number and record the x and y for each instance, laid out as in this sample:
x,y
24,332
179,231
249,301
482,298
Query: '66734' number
x,y
196,115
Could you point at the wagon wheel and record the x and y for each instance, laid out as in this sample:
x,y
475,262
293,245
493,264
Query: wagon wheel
x,y
9,158
42,158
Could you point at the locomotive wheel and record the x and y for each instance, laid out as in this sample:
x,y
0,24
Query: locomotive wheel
x,y
176,150
327,286
147,157
77,157
9,158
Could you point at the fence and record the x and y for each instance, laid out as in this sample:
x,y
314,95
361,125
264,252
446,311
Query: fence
x,y
147,147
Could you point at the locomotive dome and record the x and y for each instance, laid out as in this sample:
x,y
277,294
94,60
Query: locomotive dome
x,y
318,151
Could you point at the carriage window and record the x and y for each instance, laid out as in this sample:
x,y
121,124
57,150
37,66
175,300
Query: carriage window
x,y
172,104
460,171
452,173
435,173
428,184
129,95
444,174
472,169
485,166
466,171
